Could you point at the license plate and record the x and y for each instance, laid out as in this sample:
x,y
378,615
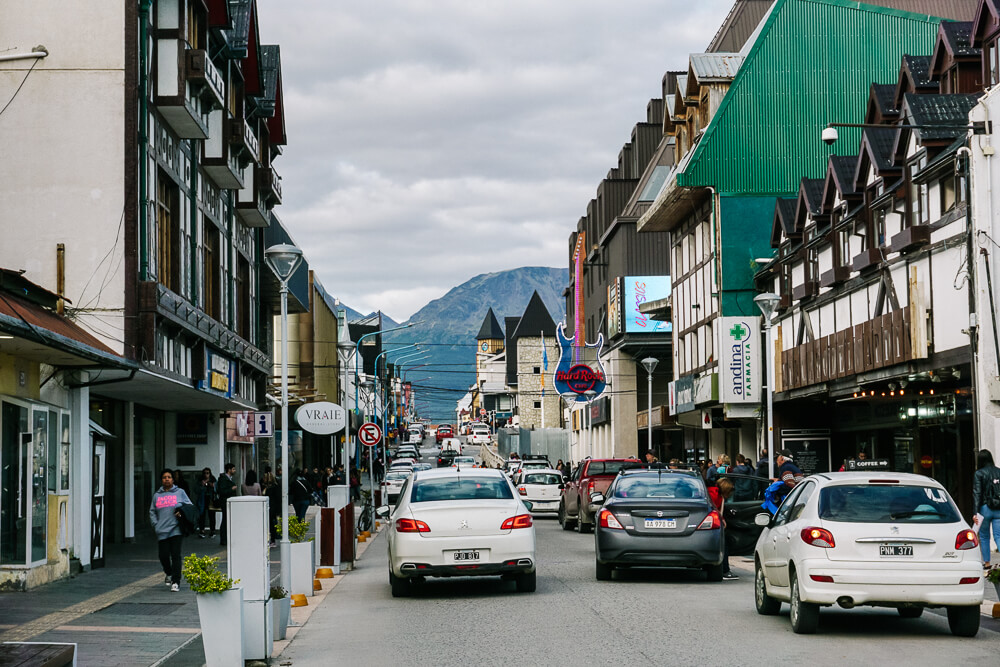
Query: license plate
x,y
895,550
661,523
466,556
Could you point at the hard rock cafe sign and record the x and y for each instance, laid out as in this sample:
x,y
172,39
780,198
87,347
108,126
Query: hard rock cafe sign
x,y
579,377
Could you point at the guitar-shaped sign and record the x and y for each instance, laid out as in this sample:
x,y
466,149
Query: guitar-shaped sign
x,y
579,377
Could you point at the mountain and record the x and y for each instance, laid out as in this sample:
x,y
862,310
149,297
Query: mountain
x,y
447,327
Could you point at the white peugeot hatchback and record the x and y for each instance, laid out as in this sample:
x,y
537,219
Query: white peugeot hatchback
x,y
458,522
869,538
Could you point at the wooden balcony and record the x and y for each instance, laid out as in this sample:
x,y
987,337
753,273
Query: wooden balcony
x,y
867,259
187,88
206,81
878,343
271,183
220,159
834,276
251,204
243,141
911,238
806,290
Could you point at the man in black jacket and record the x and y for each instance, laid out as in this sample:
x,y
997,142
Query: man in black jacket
x,y
226,489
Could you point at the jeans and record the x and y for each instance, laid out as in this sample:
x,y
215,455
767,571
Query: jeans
x,y
170,558
990,517
300,509
222,526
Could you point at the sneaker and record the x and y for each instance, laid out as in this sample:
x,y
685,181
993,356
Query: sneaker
x,y
174,588
729,576
166,580
201,535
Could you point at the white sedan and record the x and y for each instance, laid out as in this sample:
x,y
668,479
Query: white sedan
x,y
464,462
456,522
542,488
869,538
393,484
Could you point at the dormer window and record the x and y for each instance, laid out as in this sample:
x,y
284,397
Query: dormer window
x,y
919,204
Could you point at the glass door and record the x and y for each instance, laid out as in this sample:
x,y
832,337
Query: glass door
x,y
39,483
14,508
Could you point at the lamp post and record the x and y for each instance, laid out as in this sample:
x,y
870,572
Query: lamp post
x,y
768,303
649,363
590,394
283,259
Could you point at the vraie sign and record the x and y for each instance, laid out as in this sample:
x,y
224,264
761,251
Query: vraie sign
x,y
321,418
740,373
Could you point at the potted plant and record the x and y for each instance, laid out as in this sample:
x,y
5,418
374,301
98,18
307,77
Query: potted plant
x,y
993,576
282,610
220,610
300,555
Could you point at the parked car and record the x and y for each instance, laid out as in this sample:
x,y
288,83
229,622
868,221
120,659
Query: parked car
x,y
445,457
393,484
541,488
882,539
459,523
444,431
406,451
592,475
657,517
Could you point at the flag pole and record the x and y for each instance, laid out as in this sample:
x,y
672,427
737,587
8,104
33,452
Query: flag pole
x,y
545,367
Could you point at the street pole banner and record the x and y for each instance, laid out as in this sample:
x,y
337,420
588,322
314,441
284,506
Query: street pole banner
x,y
740,373
369,434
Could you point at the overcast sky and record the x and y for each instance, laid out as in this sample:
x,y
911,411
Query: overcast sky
x,y
433,140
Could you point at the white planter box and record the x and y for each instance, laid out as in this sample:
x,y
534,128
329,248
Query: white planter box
x,y
221,617
302,567
258,629
281,611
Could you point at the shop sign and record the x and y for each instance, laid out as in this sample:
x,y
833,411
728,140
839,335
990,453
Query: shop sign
x,y
639,290
579,376
239,427
192,428
614,307
684,394
740,371
219,374
321,417
672,398
706,389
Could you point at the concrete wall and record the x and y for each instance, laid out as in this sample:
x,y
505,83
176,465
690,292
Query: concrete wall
x,y
529,385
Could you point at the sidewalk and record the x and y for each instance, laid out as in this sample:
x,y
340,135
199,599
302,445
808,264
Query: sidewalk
x,y
123,614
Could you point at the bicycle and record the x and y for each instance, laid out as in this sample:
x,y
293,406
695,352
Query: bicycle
x,y
365,512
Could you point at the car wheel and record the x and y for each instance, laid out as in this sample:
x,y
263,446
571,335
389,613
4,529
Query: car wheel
x,y
714,572
565,521
525,582
963,621
400,585
603,571
766,605
804,615
910,612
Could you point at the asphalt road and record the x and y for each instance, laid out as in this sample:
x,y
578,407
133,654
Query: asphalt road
x,y
665,617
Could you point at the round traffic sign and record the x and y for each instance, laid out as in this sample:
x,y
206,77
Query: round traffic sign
x,y
369,434
482,412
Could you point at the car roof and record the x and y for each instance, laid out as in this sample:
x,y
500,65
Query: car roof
x,y
855,476
535,471
435,473
631,472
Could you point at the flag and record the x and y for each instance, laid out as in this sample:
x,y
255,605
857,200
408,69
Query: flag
x,y
545,364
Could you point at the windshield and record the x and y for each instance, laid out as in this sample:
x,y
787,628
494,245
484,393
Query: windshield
x,y
660,486
464,459
465,488
393,476
542,478
605,467
867,503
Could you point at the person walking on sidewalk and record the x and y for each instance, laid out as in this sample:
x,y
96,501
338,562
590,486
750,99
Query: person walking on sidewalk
x,y
226,489
300,495
204,500
165,513
986,497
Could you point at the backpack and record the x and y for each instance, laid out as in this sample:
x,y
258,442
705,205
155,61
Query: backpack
x,y
991,494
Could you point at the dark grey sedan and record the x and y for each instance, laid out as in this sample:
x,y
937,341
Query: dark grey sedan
x,y
657,518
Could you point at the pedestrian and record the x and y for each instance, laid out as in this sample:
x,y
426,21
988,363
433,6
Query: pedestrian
x,y
763,465
712,473
560,466
651,458
300,495
204,500
250,485
165,513
744,486
722,467
674,464
338,475
273,492
986,498
355,485
181,483
788,472
719,494
225,488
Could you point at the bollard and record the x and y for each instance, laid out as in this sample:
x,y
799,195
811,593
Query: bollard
x,y
299,600
324,573
317,586
362,538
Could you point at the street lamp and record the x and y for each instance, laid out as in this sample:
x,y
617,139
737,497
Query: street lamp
x,y
385,399
649,363
283,259
768,303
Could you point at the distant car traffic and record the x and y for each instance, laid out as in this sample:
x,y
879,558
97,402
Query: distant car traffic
x,y
444,431
657,518
592,475
541,488
464,462
453,444
883,539
480,435
459,523
445,457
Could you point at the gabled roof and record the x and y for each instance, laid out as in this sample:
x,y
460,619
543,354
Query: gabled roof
x,y
809,201
270,66
915,77
881,103
985,21
510,346
784,219
536,320
491,328
839,179
875,151
945,110
739,25
707,67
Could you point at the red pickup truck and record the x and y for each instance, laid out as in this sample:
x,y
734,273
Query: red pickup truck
x,y
591,476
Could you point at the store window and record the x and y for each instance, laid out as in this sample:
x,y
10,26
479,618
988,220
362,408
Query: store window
x,y
14,508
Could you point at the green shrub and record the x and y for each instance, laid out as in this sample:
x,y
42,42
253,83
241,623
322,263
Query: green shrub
x,y
277,593
993,574
296,529
203,575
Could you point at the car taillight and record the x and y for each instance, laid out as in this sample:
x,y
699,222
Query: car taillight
x,y
822,578
411,526
818,537
969,580
590,487
523,491
966,539
608,520
711,522
519,521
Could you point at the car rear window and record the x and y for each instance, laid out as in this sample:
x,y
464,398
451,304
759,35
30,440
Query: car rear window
x,y
604,467
542,478
877,503
660,486
395,475
465,488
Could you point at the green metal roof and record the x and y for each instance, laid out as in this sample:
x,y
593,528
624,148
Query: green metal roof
x,y
812,64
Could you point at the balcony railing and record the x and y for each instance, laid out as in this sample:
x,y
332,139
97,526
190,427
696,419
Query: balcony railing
x,y
271,182
244,141
877,343
251,204
910,238
188,88
206,81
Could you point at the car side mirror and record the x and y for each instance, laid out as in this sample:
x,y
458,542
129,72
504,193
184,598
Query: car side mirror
x,y
597,498
383,511
762,519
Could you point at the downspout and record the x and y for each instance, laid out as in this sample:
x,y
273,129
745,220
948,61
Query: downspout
x,y
144,7
193,278
970,259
